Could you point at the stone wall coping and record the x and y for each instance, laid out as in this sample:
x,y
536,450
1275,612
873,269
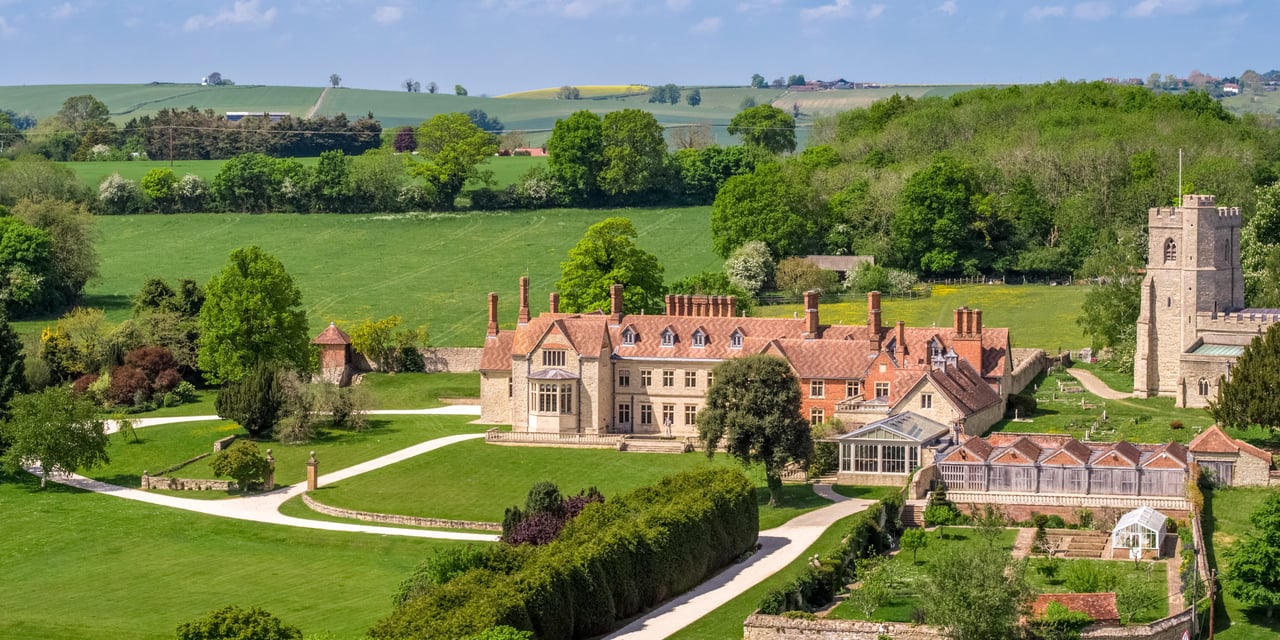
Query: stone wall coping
x,y
388,518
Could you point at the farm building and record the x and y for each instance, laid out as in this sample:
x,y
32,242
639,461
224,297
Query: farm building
x,y
1231,462
1141,529
592,373
842,265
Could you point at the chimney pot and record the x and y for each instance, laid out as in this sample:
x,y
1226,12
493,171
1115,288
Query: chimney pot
x,y
493,314
524,300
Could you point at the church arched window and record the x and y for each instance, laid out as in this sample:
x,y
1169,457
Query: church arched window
x,y
1204,387
1170,250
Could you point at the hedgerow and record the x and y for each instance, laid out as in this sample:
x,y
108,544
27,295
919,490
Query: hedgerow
x,y
611,562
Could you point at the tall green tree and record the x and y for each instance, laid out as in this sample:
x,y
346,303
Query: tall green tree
x,y
754,409
26,266
576,154
1260,249
61,430
72,229
1109,315
453,148
13,379
1248,396
256,401
975,594
694,97
607,255
769,205
1253,562
765,126
635,153
758,81
252,313
940,227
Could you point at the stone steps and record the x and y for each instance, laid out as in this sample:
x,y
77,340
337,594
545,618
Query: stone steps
x,y
639,445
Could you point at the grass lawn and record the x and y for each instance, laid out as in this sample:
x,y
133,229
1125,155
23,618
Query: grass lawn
x,y
1226,518
82,566
866,493
1133,419
1040,316
904,602
419,390
203,406
165,445
431,269
1109,373
1157,578
477,481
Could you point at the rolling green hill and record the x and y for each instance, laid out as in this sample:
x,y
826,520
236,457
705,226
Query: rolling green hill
x,y
131,100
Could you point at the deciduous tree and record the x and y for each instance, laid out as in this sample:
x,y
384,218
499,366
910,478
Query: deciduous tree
x,y
975,593
252,313
71,229
405,141
753,408
768,205
576,154
1253,562
607,255
758,81
452,148
634,153
459,90
335,80
914,540
765,126
694,97
60,430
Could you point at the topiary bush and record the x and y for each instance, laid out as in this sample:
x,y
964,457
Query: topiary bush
x,y
234,623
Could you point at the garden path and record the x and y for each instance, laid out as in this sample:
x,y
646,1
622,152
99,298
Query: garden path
x,y
778,548
266,507
1093,384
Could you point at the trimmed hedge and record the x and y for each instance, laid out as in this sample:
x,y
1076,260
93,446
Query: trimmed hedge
x,y
614,560
818,586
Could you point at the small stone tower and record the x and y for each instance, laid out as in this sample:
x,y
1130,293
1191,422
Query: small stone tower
x,y
1193,274
335,355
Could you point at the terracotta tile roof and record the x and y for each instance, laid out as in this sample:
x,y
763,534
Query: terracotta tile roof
x,y
496,355
585,333
971,450
1215,440
1064,451
964,387
332,335
828,359
1119,454
1099,606
1168,456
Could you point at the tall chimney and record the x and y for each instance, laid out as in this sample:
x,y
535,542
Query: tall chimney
x,y
959,322
615,303
873,319
670,300
902,340
810,315
733,307
524,300
555,302
493,314
717,306
977,321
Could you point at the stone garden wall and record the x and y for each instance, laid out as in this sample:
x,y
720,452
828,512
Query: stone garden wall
x,y
387,518
1028,363
762,627
186,484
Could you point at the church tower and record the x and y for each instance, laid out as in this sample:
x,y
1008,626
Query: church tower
x,y
1193,270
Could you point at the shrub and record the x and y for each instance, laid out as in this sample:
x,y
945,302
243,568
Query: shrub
x,y
1084,518
167,381
410,360
502,632
537,189
1175,424
1089,577
127,383
1055,522
1024,405
241,462
160,187
443,565
1060,623
611,562
151,360
799,615
750,266
826,455
81,384
192,193
118,195
234,623
185,391
797,275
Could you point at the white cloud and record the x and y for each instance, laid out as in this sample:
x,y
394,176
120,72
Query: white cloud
x,y
241,12
875,11
948,7
1092,11
62,11
678,5
755,6
388,14
1148,8
837,9
6,30
706,25
1040,13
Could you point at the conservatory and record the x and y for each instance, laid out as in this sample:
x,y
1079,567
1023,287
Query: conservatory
x,y
1142,528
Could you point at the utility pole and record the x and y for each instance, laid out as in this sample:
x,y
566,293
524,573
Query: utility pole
x,y
1213,579
170,146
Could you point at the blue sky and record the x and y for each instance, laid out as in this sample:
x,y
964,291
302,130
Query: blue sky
x,y
498,46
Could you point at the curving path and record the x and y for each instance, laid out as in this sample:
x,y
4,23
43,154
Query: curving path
x,y
779,546
1093,384
266,507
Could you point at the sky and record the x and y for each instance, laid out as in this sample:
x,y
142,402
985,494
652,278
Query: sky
x,y
498,46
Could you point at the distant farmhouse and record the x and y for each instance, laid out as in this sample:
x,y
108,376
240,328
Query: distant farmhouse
x,y
842,265
595,374
1193,324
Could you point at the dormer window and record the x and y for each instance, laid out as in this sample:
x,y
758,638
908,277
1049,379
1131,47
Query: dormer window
x,y
735,340
628,336
699,338
935,349
668,338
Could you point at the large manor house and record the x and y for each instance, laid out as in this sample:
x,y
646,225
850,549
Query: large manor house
x,y
618,373
1193,324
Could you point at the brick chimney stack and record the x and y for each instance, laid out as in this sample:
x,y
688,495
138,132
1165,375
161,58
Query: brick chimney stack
x,y
524,300
977,321
733,306
810,315
555,302
615,303
873,319
493,314
901,338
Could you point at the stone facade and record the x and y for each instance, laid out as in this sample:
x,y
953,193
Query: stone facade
x,y
1192,324
451,359
186,484
1027,364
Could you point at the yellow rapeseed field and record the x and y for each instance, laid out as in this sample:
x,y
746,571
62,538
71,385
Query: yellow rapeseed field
x,y
584,91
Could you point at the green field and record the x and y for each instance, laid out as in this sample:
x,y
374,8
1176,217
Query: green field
x,y
1039,316
1226,518
81,566
477,481
126,101
432,269
506,169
